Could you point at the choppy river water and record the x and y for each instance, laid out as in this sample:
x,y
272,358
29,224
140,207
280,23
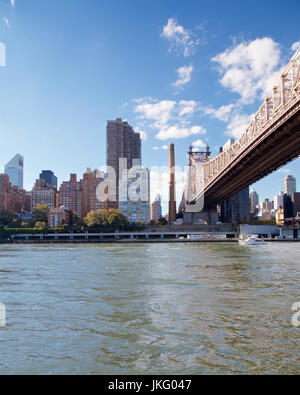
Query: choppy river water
x,y
149,309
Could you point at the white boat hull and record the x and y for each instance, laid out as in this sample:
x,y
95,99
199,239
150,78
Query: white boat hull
x,y
251,241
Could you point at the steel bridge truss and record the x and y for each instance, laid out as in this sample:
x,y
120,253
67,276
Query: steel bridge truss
x,y
283,99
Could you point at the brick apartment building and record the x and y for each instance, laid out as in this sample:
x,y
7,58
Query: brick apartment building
x,y
43,194
12,198
58,216
70,195
89,183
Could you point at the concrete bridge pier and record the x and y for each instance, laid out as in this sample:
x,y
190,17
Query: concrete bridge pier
x,y
210,217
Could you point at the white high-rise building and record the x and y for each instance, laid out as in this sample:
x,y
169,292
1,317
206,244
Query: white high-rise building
x,y
134,192
14,169
289,185
278,201
254,201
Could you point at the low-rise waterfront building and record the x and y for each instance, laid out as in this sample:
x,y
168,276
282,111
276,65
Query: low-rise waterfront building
x,y
59,216
25,216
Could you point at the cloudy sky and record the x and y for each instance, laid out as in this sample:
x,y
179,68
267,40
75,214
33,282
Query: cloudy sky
x,y
188,72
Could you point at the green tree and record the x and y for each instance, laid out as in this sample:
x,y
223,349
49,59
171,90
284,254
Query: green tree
x,y
40,225
40,214
7,218
103,218
162,221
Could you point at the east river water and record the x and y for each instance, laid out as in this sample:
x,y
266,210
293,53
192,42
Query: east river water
x,y
194,308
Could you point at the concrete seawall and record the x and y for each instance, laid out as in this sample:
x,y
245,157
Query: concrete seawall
x,y
139,241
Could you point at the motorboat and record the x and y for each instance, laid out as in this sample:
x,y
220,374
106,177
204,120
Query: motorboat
x,y
251,240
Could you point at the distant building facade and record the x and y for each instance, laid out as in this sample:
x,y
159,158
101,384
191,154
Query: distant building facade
x,y
289,185
288,207
25,217
278,201
156,209
134,192
43,194
121,142
254,202
296,202
15,169
70,195
266,210
236,209
89,184
12,198
49,177
59,216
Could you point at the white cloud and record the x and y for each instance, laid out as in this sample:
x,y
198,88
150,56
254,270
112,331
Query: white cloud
x,y
13,3
180,38
223,113
199,144
5,20
165,147
285,171
155,148
184,76
238,125
177,132
250,68
143,134
295,46
160,112
187,107
169,118
237,121
2,55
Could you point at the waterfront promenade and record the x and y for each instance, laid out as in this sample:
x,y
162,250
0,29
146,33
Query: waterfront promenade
x,y
138,237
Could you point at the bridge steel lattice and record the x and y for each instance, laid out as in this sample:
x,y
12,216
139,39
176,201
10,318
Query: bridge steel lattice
x,y
271,140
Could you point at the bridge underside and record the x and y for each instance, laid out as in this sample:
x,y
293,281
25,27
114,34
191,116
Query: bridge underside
x,y
271,151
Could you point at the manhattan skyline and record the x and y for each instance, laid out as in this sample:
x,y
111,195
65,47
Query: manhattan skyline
x,y
166,69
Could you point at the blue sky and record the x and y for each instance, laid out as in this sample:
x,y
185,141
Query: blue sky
x,y
168,67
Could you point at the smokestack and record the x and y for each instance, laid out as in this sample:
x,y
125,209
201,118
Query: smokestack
x,y
172,199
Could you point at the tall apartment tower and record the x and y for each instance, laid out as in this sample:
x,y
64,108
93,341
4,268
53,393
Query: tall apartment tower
x,y
254,201
121,142
134,198
289,185
14,169
278,201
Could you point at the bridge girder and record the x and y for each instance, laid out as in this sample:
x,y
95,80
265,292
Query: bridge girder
x,y
271,140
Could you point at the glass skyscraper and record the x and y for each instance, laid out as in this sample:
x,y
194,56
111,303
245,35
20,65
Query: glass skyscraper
x,y
14,169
